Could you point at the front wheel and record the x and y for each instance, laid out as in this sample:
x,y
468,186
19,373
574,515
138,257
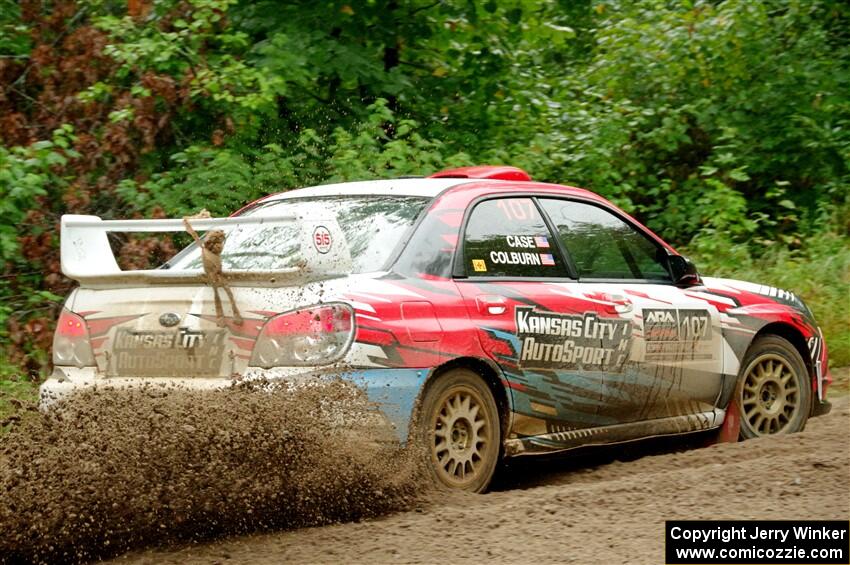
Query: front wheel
x,y
459,429
774,390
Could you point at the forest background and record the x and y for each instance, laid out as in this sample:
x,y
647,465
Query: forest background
x,y
724,126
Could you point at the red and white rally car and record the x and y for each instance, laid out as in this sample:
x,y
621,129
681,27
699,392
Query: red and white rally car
x,y
517,317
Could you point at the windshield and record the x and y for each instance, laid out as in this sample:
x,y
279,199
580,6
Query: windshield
x,y
373,227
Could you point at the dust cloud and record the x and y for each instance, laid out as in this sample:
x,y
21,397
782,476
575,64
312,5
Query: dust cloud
x,y
121,469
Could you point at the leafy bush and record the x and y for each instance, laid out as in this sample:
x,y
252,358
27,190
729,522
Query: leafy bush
x,y
723,126
221,180
28,178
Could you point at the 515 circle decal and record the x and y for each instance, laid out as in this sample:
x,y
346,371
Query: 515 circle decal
x,y
322,239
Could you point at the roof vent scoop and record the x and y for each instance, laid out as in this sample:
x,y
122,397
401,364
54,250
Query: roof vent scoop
x,y
501,172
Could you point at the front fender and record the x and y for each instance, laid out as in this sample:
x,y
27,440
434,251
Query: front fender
x,y
749,310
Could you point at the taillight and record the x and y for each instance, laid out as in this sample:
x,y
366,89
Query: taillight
x,y
71,345
317,335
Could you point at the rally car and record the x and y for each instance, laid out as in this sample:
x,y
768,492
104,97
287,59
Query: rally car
x,y
488,315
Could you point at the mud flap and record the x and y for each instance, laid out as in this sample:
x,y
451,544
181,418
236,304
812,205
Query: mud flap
x,y
821,408
728,432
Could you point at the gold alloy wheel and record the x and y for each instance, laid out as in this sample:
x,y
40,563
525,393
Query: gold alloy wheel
x,y
461,436
770,397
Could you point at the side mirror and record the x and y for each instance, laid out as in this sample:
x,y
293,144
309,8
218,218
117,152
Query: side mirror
x,y
684,272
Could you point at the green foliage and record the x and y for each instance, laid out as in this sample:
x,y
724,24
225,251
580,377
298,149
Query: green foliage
x,y
13,392
193,44
675,100
14,38
26,173
724,126
370,152
217,180
27,177
221,180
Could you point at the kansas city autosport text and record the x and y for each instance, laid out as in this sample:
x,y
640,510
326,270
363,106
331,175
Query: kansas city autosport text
x,y
551,340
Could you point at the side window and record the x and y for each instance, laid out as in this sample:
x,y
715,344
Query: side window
x,y
507,237
602,245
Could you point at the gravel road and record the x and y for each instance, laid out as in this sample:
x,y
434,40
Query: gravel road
x,y
605,505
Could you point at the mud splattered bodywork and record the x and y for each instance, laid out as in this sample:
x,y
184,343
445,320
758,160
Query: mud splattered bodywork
x,y
572,357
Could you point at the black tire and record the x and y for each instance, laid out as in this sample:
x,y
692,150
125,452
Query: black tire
x,y
774,391
461,444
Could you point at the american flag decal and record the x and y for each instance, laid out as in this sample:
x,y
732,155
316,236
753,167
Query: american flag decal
x,y
547,259
541,241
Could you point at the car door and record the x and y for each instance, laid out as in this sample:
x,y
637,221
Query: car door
x,y
530,316
673,365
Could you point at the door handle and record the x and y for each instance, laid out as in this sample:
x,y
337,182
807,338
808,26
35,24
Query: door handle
x,y
491,305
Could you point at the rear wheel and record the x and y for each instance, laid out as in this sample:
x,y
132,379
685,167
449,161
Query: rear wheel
x,y
459,429
774,389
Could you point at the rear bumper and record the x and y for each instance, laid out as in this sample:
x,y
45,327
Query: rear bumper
x,y
65,380
394,391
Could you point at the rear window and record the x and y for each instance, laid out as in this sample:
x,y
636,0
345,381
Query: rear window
x,y
373,225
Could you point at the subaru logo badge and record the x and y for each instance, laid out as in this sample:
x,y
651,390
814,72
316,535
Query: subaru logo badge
x,y
169,319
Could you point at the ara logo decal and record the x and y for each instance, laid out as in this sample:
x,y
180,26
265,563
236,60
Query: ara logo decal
x,y
660,317
660,325
322,239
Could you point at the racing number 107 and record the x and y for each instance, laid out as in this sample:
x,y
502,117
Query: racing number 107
x,y
517,208
694,326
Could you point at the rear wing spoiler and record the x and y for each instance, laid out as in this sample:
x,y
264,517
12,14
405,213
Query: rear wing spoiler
x,y
87,257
